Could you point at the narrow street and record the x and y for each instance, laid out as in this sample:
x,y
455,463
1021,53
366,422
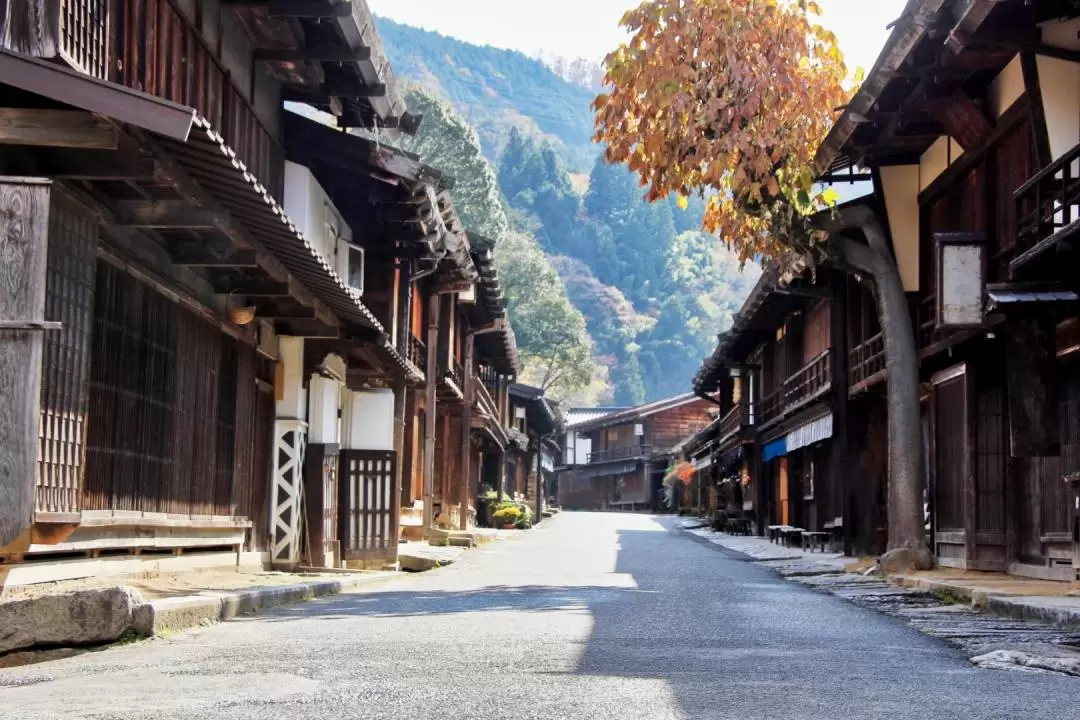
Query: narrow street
x,y
587,616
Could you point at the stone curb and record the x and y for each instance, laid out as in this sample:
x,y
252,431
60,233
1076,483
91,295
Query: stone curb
x,y
183,613
1013,606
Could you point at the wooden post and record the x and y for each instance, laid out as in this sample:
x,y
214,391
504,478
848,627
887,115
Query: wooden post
x,y
445,471
401,390
429,410
465,488
500,478
408,456
24,230
838,461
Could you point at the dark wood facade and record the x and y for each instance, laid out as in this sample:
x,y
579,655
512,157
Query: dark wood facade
x,y
194,330
631,451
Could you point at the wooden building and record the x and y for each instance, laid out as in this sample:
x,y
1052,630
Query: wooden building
x,y
223,321
540,421
973,178
965,139
777,450
628,454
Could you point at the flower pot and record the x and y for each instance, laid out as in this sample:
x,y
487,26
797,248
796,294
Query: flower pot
x,y
508,526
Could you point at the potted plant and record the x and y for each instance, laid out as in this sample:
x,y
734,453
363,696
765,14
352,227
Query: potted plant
x,y
507,517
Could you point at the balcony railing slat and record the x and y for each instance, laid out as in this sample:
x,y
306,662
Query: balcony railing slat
x,y
632,452
802,387
1048,202
158,51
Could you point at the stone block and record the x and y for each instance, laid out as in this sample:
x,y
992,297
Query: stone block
x,y
83,617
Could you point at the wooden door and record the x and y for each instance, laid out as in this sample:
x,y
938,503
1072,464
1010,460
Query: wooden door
x,y
950,465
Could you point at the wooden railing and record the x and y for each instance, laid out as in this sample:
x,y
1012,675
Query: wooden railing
x,y
771,406
801,388
1049,202
866,360
484,398
489,379
738,418
809,383
416,352
620,453
159,52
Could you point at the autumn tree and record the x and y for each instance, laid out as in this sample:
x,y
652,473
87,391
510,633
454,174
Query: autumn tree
x,y
729,100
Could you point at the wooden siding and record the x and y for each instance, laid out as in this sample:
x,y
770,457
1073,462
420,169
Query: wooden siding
x,y
670,427
816,336
164,400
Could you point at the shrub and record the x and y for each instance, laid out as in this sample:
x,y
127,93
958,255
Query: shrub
x,y
507,515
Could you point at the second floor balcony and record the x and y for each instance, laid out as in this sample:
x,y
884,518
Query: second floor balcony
x,y
804,386
632,452
738,419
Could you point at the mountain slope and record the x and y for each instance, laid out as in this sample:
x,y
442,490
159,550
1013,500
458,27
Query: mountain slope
x,y
496,90
653,292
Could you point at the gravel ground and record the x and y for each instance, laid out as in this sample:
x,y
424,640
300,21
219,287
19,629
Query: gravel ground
x,y
586,616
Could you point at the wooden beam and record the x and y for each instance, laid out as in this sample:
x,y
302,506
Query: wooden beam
x,y
167,214
296,8
962,119
192,257
171,171
254,288
94,165
57,128
316,54
308,328
283,311
336,89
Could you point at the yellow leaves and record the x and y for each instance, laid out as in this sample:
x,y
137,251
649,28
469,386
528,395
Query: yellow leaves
x,y
682,202
729,96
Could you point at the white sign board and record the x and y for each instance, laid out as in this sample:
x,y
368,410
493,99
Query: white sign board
x,y
962,285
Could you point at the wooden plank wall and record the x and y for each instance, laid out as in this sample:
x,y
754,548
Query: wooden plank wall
x,y
816,336
668,428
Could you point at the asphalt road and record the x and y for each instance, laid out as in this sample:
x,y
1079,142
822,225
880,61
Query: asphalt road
x,y
586,616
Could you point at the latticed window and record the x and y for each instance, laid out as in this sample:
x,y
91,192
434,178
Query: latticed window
x,y
84,35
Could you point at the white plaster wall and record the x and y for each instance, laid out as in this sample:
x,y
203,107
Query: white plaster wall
x,y
1059,81
1006,88
936,160
292,401
901,184
368,420
323,394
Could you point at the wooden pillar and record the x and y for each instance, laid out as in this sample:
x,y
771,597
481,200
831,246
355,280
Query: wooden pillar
x,y
500,474
467,390
401,392
407,459
24,232
840,477
429,409
445,471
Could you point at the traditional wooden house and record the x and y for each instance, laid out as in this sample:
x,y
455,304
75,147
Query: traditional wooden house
x,y
970,130
778,445
213,323
629,453
539,421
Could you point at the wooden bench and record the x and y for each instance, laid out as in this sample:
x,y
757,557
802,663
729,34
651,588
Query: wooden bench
x,y
835,529
775,531
792,536
815,539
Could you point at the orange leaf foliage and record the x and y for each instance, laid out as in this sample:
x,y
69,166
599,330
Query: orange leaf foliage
x,y
685,472
729,99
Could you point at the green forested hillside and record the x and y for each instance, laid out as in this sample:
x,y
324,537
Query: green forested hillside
x,y
496,90
653,291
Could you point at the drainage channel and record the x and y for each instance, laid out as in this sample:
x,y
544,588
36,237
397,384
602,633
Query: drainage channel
x,y
988,640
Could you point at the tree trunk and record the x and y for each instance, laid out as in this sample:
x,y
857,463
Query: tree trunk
x,y
907,470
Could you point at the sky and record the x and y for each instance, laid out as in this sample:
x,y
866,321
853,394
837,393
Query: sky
x,y
589,28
